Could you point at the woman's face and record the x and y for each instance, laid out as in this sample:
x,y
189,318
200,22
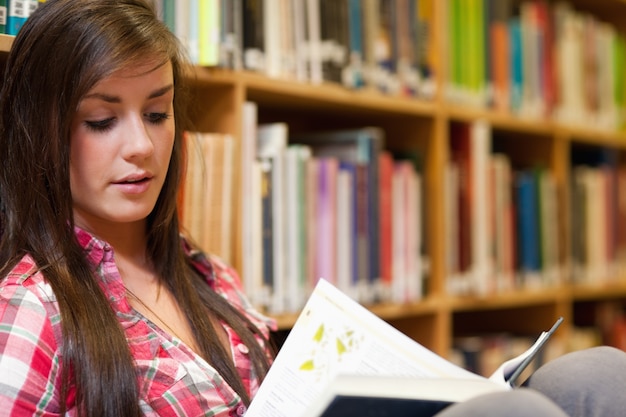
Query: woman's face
x,y
122,137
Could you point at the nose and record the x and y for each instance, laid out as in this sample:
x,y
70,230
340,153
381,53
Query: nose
x,y
138,141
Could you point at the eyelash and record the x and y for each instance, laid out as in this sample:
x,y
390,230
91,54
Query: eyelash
x,y
106,124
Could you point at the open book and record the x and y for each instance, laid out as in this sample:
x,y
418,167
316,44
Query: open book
x,y
338,351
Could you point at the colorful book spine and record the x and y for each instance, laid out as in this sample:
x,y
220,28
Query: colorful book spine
x,y
529,256
3,16
18,13
208,16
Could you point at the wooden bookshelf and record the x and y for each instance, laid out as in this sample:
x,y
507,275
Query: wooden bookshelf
x,y
410,123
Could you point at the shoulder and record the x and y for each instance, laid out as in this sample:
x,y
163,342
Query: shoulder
x,y
26,282
29,334
27,300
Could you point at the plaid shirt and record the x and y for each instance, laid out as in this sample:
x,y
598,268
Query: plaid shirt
x,y
173,380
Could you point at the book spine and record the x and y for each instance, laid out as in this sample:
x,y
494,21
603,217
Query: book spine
x,y
527,226
385,199
18,13
208,16
3,16
253,35
169,15
355,76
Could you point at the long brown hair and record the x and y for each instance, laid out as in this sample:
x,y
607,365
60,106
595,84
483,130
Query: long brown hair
x,y
61,52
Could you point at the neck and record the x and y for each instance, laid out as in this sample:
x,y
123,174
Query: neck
x,y
129,240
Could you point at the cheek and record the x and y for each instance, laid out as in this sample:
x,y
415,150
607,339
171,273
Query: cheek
x,y
165,145
86,159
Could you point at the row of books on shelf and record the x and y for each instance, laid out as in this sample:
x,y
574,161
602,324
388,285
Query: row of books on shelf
x,y
504,219
207,192
332,205
13,14
598,223
337,205
536,59
385,44
501,222
532,58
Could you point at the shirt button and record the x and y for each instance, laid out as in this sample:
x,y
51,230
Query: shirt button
x,y
241,410
243,348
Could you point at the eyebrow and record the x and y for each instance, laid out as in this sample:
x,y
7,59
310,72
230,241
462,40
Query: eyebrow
x,y
115,99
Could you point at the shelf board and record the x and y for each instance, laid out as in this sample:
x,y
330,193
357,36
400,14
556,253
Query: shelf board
x,y
604,291
290,94
386,311
499,120
6,41
594,136
508,300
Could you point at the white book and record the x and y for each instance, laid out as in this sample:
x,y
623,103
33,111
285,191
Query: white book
x,y
480,227
250,201
296,157
335,336
314,41
345,241
272,28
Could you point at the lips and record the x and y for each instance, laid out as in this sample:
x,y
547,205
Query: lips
x,y
135,178
134,184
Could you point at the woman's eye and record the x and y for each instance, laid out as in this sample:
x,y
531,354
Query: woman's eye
x,y
100,125
157,118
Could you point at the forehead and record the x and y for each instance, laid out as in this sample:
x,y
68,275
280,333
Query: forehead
x,y
149,74
138,69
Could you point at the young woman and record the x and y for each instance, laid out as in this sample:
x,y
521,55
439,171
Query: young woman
x,y
105,310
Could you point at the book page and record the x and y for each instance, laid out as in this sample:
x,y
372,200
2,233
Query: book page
x,y
336,335
504,371
509,371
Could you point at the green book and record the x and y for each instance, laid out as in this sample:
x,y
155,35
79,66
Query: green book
x,y
3,16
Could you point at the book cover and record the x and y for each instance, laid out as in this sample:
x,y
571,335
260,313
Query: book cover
x,y
351,395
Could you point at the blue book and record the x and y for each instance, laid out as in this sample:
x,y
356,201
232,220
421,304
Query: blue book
x,y
17,14
527,223
356,58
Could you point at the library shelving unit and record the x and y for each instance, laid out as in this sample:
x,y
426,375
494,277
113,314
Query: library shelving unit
x,y
423,126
